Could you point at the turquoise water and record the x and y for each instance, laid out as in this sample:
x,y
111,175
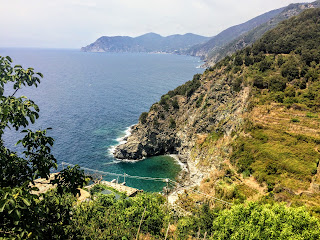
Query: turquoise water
x,y
90,99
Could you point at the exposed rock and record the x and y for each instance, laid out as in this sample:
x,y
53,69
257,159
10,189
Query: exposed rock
x,y
159,136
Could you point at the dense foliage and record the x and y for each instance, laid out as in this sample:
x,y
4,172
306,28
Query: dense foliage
x,y
188,88
251,221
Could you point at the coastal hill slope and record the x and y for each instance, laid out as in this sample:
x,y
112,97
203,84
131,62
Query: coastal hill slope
x,y
228,35
215,53
249,126
150,42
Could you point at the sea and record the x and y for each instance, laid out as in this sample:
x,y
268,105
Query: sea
x,y
91,99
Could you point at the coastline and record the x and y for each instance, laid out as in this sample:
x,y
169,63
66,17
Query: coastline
x,y
184,166
121,140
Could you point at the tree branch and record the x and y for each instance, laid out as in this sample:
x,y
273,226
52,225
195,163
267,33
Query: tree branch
x,y
15,92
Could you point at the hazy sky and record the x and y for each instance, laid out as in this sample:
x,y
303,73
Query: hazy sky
x,y
76,23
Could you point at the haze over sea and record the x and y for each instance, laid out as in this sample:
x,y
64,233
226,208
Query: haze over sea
x,y
90,99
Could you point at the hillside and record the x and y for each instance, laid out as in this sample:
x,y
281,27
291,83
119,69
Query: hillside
x,y
230,34
150,42
214,55
248,128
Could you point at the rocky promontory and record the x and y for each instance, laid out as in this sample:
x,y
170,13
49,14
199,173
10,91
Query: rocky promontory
x,y
205,109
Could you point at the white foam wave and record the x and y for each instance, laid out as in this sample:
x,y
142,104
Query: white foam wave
x,y
176,158
130,160
111,163
200,66
120,140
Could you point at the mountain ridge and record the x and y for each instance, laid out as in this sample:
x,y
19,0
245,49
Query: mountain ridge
x,y
149,42
231,33
214,55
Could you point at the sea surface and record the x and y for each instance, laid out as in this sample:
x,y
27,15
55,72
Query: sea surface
x,y
90,99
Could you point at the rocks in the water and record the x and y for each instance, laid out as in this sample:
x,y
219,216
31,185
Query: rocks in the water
x,y
140,145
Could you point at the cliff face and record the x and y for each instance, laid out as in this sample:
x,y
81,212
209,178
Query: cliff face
x,y
207,108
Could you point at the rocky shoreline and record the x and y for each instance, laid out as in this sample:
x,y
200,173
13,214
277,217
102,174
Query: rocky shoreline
x,y
206,109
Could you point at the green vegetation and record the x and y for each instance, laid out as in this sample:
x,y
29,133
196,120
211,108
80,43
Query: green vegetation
x,y
199,101
164,102
188,88
175,103
143,117
279,144
277,157
108,218
172,123
250,221
255,221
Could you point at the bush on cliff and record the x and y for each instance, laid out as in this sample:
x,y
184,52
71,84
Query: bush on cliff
x,y
143,117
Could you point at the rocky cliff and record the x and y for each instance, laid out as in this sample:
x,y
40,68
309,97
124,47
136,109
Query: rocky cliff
x,y
205,109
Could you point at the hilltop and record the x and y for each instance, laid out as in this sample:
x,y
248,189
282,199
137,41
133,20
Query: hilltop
x,y
150,42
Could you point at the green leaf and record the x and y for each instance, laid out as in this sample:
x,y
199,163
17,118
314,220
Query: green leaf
x,y
31,118
9,58
26,202
3,206
40,74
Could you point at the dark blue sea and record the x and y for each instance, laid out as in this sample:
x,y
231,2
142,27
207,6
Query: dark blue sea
x,y
90,99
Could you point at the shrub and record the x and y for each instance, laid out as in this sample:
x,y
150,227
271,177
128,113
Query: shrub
x,y
265,222
290,70
259,82
248,60
236,69
236,84
156,124
172,123
238,60
312,74
310,115
290,91
199,101
281,60
295,120
279,97
143,117
188,88
175,103
164,102
265,65
277,83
